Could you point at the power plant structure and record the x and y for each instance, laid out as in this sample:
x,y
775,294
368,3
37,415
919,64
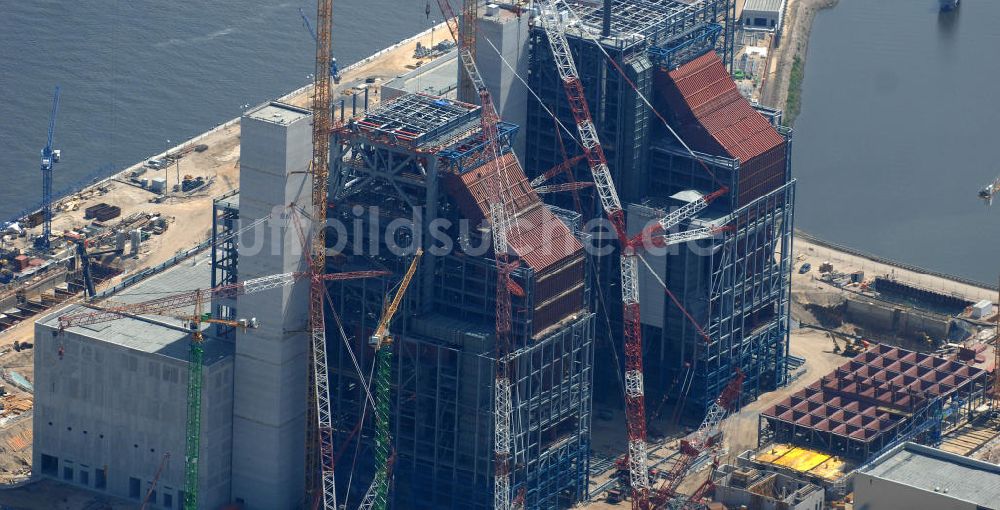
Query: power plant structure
x,y
650,68
508,340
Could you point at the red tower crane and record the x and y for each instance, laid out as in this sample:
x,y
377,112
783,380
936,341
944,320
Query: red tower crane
x,y
634,391
500,220
707,436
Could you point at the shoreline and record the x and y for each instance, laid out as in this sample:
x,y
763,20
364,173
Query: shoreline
x,y
800,15
96,182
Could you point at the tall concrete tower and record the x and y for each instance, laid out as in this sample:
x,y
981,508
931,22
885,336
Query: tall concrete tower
x,y
508,33
270,379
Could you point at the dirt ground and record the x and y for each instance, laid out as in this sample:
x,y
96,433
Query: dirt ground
x,y
190,222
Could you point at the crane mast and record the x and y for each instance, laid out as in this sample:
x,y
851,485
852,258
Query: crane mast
x,y
50,157
320,483
501,222
377,496
611,203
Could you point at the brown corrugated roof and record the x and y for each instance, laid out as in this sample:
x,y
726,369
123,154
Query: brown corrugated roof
x,y
538,237
711,98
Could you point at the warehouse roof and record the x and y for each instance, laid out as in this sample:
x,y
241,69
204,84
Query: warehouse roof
x,y
764,5
153,333
934,470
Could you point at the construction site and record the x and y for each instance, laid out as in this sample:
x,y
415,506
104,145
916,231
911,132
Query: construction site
x,y
546,264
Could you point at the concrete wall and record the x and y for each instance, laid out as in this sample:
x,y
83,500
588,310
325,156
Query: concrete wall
x,y
872,493
105,407
509,34
271,361
883,316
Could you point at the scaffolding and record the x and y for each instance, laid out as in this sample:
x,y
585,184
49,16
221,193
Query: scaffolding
x,y
225,221
407,168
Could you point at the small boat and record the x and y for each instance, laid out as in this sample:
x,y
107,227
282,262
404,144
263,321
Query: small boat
x,y
949,5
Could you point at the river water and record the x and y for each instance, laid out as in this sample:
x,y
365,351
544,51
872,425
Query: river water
x,y
899,122
899,116
137,73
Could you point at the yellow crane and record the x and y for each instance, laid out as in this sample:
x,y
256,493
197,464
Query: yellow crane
x,y
377,497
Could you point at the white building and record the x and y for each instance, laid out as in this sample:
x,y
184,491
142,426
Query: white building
x,y
763,14
917,477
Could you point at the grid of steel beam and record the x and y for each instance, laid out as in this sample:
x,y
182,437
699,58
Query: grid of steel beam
x,y
415,118
862,406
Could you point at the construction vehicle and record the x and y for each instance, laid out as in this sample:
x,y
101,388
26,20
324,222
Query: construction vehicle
x,y
50,157
852,347
377,497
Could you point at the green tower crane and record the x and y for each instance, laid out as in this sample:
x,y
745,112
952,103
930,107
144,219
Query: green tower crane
x,y
377,497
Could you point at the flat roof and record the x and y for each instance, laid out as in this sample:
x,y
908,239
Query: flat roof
x,y
155,334
436,78
278,113
935,470
764,5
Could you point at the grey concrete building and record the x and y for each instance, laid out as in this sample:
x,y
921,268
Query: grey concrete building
x,y
501,48
269,401
746,487
918,477
112,403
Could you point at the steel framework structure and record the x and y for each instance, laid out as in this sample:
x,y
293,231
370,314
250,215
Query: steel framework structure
x,y
641,33
881,397
737,289
444,368
225,257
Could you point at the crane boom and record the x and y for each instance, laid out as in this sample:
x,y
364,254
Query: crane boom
x,y
159,306
321,486
377,496
611,203
706,436
501,222
50,157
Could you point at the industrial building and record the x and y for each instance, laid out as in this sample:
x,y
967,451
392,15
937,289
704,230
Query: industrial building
x,y
763,14
110,400
415,172
406,167
746,487
734,287
881,397
922,478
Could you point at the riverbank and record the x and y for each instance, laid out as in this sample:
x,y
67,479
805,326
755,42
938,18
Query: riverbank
x,y
787,68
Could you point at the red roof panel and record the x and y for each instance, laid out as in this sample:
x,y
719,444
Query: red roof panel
x,y
710,97
538,237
